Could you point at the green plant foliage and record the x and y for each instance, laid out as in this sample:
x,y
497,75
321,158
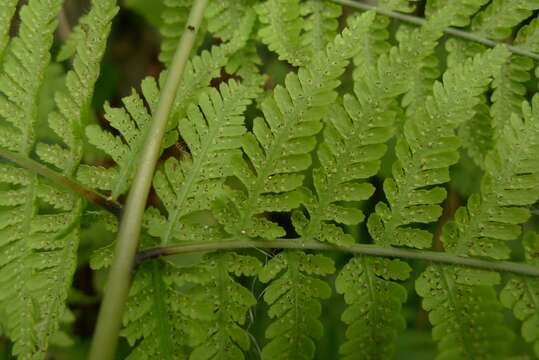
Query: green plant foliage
x,y
520,294
40,223
294,300
275,152
7,10
213,131
294,123
374,313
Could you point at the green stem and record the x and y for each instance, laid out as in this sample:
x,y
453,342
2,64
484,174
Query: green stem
x,y
110,314
57,178
450,30
365,249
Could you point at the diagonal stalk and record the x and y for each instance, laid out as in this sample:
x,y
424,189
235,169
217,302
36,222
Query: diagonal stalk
x,y
365,249
58,178
119,280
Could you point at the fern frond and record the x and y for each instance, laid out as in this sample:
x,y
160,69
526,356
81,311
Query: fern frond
x,y
353,144
425,151
509,83
226,303
294,300
73,103
281,29
158,320
374,316
7,10
490,219
498,19
195,312
280,145
212,131
43,241
509,186
464,312
447,14
320,25
521,294
25,303
132,124
225,17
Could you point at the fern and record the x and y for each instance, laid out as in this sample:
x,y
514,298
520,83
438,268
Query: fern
x,y
425,152
213,135
274,153
294,299
375,304
132,123
42,243
7,10
272,140
520,294
481,230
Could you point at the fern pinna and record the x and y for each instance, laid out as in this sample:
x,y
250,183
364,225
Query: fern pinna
x,y
308,146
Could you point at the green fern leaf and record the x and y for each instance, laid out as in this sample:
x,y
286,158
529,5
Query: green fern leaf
x,y
426,150
509,186
7,10
225,17
464,312
320,25
213,131
275,152
43,241
132,124
521,293
354,141
73,103
193,312
294,299
158,319
281,29
227,301
350,153
374,315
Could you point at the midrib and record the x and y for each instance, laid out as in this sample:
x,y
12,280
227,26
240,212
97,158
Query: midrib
x,y
191,178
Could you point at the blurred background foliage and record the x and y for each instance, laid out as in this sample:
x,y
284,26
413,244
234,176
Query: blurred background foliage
x,y
132,55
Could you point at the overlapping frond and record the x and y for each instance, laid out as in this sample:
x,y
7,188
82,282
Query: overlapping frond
x,y
74,103
374,315
279,147
497,21
194,312
466,317
294,300
132,123
160,321
224,17
7,10
213,132
425,151
40,229
490,219
354,140
296,30
521,294
508,187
